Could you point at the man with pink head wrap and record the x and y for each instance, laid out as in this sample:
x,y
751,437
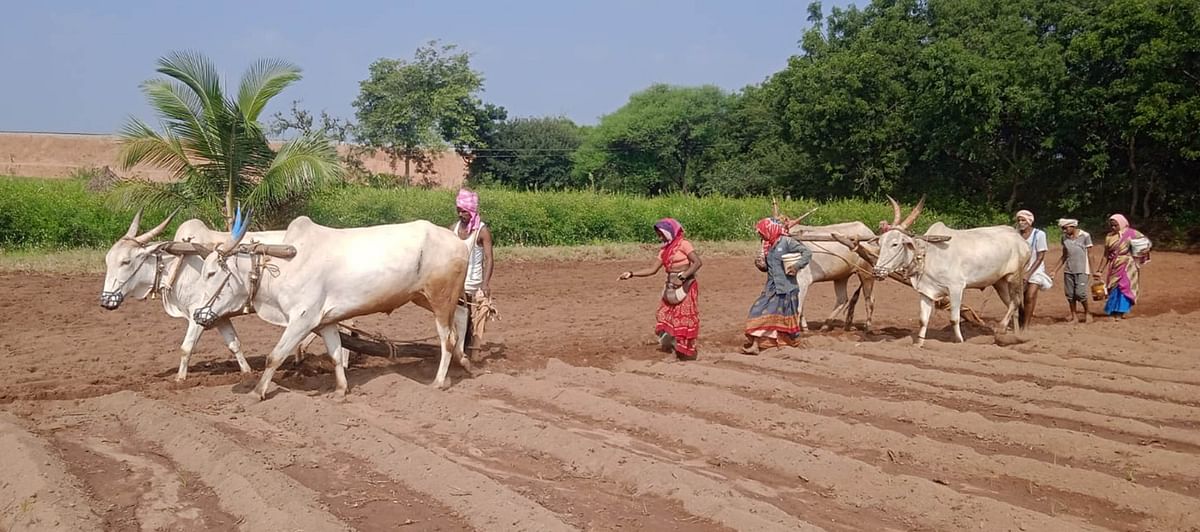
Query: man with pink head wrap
x,y
479,265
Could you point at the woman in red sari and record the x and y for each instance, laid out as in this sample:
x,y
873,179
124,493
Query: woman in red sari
x,y
678,324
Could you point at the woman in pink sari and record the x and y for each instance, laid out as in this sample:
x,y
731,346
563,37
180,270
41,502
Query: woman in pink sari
x,y
1121,268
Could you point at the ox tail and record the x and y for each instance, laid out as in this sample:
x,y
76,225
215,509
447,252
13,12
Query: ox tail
x,y
850,306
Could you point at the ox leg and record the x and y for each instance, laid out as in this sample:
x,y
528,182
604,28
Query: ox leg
x,y
804,280
1011,294
926,311
234,344
956,295
842,305
295,332
189,343
452,331
1002,291
868,290
333,344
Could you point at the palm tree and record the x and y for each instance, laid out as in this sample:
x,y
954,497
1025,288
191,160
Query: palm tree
x,y
216,148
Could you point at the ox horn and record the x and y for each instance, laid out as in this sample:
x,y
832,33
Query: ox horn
x,y
805,215
133,226
912,216
895,211
240,225
149,235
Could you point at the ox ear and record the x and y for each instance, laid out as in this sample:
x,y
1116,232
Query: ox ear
x,y
133,226
149,235
912,216
895,211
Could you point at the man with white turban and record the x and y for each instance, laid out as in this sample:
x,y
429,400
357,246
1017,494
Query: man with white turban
x,y
1035,272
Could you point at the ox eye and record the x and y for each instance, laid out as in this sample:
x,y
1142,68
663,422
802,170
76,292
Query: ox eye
x,y
125,262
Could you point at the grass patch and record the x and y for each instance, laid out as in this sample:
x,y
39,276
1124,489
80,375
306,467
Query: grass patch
x,y
70,261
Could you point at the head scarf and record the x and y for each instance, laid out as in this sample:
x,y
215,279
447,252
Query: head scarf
x,y
1122,222
469,201
770,231
1068,222
1028,216
673,232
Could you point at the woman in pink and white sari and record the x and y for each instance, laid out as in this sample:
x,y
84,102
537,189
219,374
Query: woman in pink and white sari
x,y
1121,267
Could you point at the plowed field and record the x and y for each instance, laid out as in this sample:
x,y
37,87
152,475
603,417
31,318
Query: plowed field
x,y
574,421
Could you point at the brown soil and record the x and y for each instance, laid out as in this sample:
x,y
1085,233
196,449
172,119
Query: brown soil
x,y
576,422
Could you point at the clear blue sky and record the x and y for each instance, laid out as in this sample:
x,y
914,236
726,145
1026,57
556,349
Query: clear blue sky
x,y
75,66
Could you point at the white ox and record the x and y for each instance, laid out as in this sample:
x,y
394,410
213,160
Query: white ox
x,y
834,262
337,274
138,267
971,258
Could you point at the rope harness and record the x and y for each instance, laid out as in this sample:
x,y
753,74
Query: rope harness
x,y
259,262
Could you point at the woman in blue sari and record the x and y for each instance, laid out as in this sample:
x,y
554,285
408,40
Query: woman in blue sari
x,y
774,319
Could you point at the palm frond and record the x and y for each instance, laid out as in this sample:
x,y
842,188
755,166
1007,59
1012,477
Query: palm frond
x,y
140,144
131,193
264,80
183,111
199,74
302,165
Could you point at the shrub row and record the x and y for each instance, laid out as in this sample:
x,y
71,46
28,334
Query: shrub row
x,y
63,214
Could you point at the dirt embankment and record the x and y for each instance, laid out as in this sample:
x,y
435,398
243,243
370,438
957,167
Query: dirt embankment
x,y
58,155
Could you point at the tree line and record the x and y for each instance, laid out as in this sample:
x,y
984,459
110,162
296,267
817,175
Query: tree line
x,y
1082,107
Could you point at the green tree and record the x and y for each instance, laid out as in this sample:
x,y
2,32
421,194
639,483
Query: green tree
x,y
661,140
216,148
530,152
1136,71
411,109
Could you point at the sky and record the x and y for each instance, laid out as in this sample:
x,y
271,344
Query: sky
x,y
76,66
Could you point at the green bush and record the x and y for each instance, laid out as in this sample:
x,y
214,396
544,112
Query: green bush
x,y
39,213
46,213
545,218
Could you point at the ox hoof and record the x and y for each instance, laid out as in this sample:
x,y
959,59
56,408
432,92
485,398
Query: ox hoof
x,y
338,395
180,378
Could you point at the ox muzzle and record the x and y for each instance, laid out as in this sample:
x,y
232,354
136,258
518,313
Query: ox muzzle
x,y
205,317
111,300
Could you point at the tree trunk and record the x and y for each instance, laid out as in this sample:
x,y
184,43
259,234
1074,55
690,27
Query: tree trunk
x,y
1016,179
229,205
683,166
1012,196
1133,175
1150,182
407,167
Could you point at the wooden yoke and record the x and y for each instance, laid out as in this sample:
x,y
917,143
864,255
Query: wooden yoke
x,y
279,251
187,248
